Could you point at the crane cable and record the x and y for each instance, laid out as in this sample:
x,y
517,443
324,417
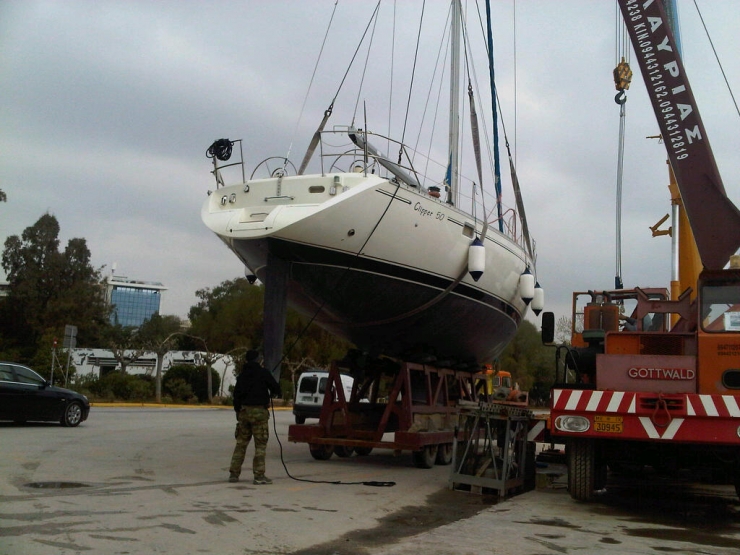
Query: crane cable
x,y
622,79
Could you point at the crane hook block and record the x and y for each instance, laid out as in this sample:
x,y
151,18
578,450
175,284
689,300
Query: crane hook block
x,y
622,76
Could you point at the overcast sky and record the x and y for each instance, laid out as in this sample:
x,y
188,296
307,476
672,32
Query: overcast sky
x,y
107,108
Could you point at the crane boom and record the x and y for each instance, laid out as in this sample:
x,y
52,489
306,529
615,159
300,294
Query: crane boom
x,y
630,391
686,141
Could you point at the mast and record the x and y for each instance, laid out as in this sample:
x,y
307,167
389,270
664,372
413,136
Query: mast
x,y
454,162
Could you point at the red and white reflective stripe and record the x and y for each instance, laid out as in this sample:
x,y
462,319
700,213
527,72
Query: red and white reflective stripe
x,y
593,401
724,406
721,406
667,432
536,431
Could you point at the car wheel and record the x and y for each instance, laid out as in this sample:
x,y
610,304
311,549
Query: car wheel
x,y
300,419
72,415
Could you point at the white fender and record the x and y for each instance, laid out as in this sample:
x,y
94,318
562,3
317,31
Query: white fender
x,y
526,286
538,301
476,259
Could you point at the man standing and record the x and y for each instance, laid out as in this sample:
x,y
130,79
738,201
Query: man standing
x,y
254,387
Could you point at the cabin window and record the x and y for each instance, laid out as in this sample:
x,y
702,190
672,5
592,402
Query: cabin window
x,y
468,230
316,189
720,307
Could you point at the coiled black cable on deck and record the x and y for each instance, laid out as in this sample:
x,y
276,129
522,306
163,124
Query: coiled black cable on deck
x,y
220,149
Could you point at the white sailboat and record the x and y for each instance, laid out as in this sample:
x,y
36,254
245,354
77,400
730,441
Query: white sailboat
x,y
377,252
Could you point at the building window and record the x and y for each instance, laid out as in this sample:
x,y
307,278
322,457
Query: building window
x,y
133,306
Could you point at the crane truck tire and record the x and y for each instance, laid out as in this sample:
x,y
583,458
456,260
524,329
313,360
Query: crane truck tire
x,y
581,458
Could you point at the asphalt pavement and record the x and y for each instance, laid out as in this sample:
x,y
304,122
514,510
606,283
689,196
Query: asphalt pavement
x,y
151,480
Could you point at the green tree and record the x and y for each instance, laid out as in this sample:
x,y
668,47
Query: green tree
x,y
311,342
229,317
49,289
3,196
530,362
185,380
125,344
563,330
159,335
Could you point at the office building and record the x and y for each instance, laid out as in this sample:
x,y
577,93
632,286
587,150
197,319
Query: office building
x,y
133,301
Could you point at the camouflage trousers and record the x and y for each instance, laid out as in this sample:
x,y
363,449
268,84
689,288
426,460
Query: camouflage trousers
x,y
253,422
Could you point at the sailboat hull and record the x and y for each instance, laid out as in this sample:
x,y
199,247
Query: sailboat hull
x,y
378,263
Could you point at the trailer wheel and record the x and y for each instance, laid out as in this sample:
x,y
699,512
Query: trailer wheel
x,y
321,452
426,457
581,458
444,454
343,451
363,451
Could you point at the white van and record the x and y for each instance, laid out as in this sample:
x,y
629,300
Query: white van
x,y
309,394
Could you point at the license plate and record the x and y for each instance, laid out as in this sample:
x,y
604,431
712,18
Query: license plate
x,y
609,424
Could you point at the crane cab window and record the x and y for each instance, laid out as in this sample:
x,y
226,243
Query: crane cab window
x,y
720,307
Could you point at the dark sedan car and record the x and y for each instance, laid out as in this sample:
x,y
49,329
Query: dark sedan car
x,y
26,396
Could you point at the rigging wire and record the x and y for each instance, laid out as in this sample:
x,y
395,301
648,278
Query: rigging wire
x,y
411,84
446,44
357,50
393,67
494,94
428,99
512,165
327,113
516,96
364,70
717,57
310,84
474,130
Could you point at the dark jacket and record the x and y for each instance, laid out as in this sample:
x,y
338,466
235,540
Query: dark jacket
x,y
254,386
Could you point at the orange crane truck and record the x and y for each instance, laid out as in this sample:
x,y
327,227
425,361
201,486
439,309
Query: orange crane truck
x,y
659,385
